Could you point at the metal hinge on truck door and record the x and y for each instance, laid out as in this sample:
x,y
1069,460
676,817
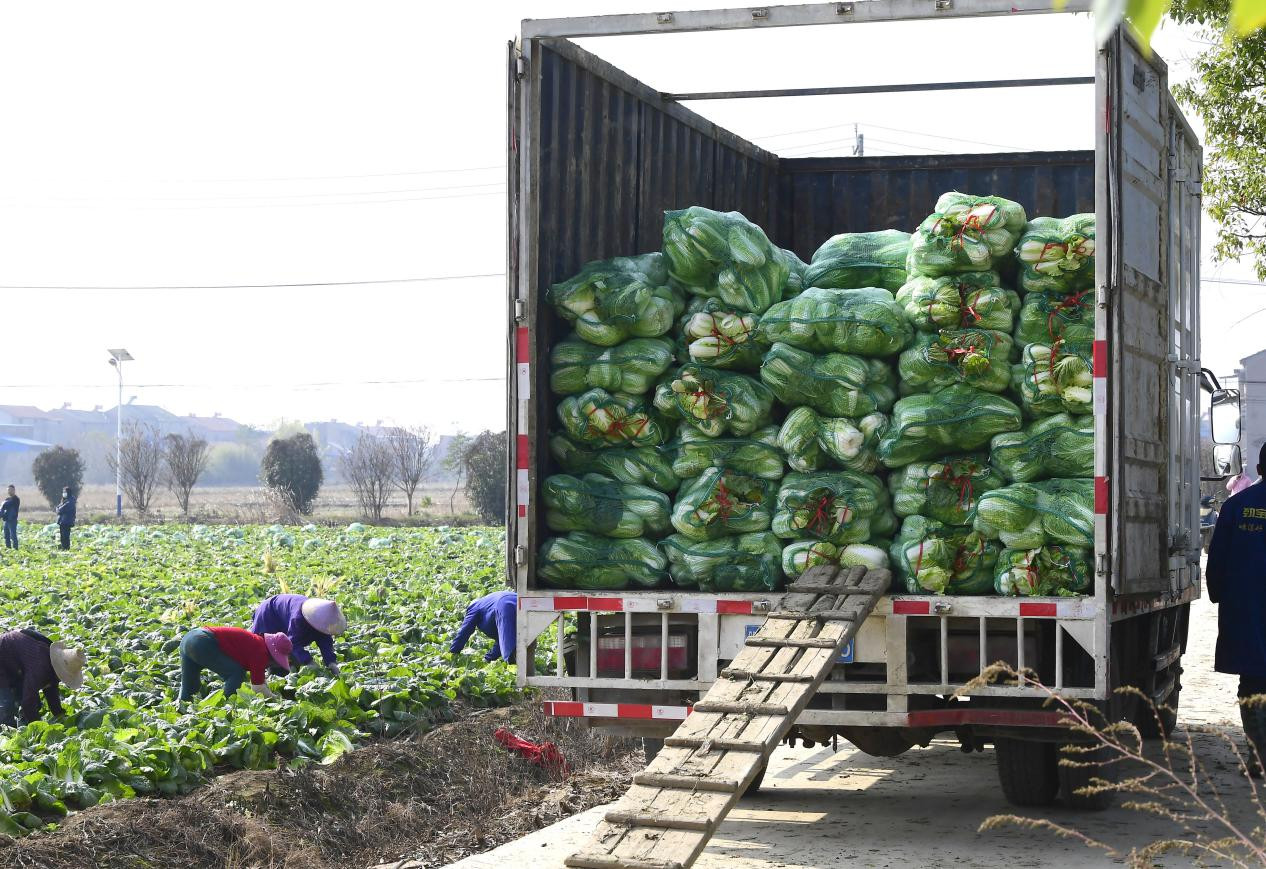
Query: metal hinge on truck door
x,y
520,556
520,62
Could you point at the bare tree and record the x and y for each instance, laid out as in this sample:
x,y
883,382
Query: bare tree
x,y
141,464
414,451
186,457
370,469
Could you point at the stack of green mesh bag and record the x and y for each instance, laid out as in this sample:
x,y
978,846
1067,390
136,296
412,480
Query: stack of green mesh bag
x,y
730,416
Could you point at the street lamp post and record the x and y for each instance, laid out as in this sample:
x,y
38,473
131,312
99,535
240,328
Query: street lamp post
x,y
117,358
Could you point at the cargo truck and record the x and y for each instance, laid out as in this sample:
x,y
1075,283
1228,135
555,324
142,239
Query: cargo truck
x,y
595,159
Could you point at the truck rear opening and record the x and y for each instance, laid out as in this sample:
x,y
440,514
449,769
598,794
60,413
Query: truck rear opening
x,y
597,157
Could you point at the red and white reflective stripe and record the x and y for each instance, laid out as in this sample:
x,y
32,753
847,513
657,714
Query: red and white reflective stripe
x,y
585,603
522,358
523,455
633,711
1023,609
1001,717
1099,392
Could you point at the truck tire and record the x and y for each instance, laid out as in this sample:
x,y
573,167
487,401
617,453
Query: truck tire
x,y
1073,778
754,788
1027,771
1166,712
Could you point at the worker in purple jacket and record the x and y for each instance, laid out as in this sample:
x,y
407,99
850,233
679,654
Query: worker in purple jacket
x,y
493,615
31,663
305,620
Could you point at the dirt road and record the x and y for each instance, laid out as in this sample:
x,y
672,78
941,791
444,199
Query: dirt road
x,y
820,808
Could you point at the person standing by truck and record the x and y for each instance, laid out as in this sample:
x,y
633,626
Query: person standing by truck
x,y
66,516
9,518
1235,575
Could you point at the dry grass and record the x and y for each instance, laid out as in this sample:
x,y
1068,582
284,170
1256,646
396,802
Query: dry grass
x,y
435,798
1211,826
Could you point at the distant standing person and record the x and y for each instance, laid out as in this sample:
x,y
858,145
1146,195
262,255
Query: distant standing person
x,y
31,663
9,518
1235,575
66,516
305,620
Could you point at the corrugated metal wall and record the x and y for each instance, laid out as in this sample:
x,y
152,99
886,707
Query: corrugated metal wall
x,y
613,157
819,198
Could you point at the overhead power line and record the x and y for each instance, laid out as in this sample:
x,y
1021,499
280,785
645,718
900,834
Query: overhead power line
x,y
252,286
1240,281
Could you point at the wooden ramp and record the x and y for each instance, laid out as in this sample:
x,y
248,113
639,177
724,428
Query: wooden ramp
x,y
674,806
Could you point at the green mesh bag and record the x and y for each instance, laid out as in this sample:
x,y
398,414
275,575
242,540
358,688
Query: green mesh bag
x,y
974,357
757,455
972,300
714,336
643,466
930,557
724,256
799,555
1055,446
587,561
631,367
744,562
795,274
965,233
715,402
835,384
1047,571
598,418
602,505
867,322
860,259
945,490
720,502
1056,378
610,301
1057,256
957,419
1049,317
813,442
1029,515
835,506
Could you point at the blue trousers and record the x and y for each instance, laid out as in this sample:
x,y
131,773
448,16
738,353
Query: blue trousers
x,y
199,650
11,535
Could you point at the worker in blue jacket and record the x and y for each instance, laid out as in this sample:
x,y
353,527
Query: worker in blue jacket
x,y
1235,575
494,616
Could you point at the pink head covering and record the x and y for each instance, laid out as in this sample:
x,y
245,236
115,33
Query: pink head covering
x,y
280,647
1238,484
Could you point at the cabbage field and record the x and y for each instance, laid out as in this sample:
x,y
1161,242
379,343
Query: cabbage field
x,y
127,595
729,415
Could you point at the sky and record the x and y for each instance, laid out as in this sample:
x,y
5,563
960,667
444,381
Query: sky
x,y
174,147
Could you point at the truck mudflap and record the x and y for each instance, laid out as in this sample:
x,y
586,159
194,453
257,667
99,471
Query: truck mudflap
x,y
673,807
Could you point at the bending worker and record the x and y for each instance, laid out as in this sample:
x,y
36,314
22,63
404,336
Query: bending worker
x,y
1235,575
30,663
493,615
305,620
233,653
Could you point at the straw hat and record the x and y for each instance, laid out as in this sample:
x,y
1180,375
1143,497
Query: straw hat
x,y
280,647
324,615
68,664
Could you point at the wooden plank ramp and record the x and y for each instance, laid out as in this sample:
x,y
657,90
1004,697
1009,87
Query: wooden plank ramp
x,y
675,805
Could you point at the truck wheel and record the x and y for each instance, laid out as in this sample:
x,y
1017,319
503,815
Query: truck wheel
x,y
1166,712
651,747
1027,771
1073,778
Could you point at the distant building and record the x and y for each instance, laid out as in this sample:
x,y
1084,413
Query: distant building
x,y
1252,385
73,424
147,415
36,424
215,429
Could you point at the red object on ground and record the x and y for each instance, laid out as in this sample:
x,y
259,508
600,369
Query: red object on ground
x,y
544,754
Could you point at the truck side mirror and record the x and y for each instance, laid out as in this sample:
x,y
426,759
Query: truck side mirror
x,y
1227,461
1224,416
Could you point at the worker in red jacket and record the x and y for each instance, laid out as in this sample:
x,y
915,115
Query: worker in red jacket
x,y
232,653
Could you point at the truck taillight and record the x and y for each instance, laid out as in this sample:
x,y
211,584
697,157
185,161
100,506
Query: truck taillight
x,y
646,655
